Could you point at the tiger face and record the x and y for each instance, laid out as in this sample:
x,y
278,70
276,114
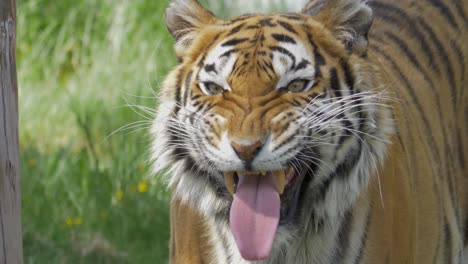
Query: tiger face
x,y
268,121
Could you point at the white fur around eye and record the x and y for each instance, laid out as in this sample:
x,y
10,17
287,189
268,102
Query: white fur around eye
x,y
211,88
285,67
299,85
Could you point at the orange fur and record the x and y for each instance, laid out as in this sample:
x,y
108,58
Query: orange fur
x,y
418,197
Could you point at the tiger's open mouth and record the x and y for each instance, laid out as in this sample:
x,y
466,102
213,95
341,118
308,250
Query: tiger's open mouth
x,y
262,199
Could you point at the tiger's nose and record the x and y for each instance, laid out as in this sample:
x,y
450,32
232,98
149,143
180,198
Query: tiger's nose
x,y
247,152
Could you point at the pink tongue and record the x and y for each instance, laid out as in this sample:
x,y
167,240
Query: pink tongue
x,y
255,215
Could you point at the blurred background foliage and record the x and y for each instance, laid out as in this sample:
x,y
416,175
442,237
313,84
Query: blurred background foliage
x,y
88,74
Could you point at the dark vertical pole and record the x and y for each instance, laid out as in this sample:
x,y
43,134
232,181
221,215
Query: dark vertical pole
x,y
11,251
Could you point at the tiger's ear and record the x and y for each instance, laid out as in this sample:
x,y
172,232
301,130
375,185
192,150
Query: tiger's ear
x,y
349,20
184,19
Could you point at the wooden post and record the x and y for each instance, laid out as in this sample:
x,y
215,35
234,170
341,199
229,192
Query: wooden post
x,y
11,251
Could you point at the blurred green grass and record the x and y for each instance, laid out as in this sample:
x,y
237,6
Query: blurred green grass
x,y
88,197
88,72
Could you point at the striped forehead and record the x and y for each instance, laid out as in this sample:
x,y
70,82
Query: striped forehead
x,y
271,46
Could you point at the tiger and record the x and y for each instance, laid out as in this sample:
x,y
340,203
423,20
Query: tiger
x,y
337,134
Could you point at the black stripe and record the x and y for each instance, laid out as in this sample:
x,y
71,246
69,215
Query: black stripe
x,y
285,52
287,26
302,65
444,56
435,155
211,68
197,103
214,184
207,107
461,60
445,11
296,103
286,153
341,172
193,114
322,189
319,59
461,155
399,17
175,137
227,53
235,30
451,78
466,231
313,96
267,22
428,78
292,16
270,66
448,242
348,130
234,42
466,114
412,94
237,19
188,81
334,83
283,38
349,78
285,142
460,8
349,163
404,48
202,60
190,164
282,144
364,239
309,174
253,27
178,89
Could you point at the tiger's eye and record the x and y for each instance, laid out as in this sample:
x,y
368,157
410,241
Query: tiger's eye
x,y
297,86
213,88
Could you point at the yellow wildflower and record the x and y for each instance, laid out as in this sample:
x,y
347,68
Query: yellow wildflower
x,y
119,195
142,187
69,221
32,163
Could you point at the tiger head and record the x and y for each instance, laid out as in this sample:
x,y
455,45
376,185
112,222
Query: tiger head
x,y
270,120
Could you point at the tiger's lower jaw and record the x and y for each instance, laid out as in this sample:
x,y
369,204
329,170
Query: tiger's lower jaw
x,y
262,201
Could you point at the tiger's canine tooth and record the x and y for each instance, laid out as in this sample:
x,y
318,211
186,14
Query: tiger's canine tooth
x,y
229,180
281,180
